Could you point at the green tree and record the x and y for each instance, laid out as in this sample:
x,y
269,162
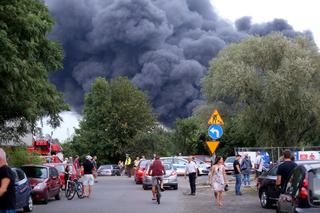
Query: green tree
x,y
27,57
114,113
155,141
188,136
272,84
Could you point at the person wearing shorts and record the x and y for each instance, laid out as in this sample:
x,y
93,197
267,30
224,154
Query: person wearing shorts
x,y
156,171
88,179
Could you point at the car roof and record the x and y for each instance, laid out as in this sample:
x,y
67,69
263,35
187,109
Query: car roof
x,y
35,165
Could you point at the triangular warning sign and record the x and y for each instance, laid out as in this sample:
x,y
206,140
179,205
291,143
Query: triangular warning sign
x,y
215,118
213,145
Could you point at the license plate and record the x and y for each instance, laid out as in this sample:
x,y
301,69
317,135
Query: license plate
x,y
165,181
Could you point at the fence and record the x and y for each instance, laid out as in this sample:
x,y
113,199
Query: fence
x,y
275,153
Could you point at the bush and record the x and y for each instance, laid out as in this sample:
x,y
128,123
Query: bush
x,y
20,156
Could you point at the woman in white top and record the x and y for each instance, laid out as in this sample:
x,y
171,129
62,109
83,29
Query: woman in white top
x,y
218,179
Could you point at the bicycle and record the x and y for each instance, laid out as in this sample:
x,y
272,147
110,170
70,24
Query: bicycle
x,y
158,189
73,187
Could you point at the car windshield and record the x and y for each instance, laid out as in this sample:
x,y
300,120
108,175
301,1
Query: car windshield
x,y
167,166
203,158
60,168
143,164
105,167
314,186
230,160
35,172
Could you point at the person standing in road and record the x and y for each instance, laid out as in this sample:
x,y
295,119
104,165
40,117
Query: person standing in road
x,y
258,164
237,174
136,163
246,167
191,170
121,167
128,165
218,179
88,181
7,188
95,168
76,164
285,169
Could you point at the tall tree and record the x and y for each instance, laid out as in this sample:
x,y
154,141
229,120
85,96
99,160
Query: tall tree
x,y
273,83
113,115
27,57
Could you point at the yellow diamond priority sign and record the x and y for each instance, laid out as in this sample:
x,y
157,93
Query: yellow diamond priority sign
x,y
215,119
213,145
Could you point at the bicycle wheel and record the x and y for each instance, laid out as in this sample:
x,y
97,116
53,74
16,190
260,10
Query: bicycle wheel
x,y
80,190
71,190
158,192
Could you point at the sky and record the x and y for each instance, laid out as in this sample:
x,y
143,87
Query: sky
x,y
302,15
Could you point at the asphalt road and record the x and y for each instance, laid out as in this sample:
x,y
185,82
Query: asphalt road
x,y
121,195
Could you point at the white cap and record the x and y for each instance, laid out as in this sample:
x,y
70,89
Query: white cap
x,y
88,157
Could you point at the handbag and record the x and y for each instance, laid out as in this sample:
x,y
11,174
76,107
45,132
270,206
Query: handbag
x,y
226,188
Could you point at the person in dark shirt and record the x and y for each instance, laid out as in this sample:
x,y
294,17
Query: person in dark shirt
x,y
237,174
285,169
7,188
88,176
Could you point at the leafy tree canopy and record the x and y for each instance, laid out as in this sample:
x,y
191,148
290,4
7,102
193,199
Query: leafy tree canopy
x,y
272,84
114,113
26,58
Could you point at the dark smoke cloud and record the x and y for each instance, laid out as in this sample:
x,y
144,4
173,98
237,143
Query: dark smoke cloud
x,y
163,46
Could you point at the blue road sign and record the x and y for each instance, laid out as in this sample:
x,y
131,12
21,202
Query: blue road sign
x,y
215,131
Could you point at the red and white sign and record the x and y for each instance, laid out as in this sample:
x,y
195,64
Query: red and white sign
x,y
309,155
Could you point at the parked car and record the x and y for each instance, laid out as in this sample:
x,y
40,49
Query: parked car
x,y
170,179
203,168
178,163
45,182
140,171
266,185
302,191
61,169
228,163
109,170
204,158
23,191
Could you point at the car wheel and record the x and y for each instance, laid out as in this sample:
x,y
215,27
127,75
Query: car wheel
x,y
145,187
29,207
175,187
264,199
57,197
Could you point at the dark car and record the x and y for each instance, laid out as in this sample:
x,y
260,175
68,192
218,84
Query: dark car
x,y
139,172
109,170
23,191
45,182
302,191
266,184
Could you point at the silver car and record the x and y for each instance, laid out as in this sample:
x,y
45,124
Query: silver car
x,y
170,179
228,164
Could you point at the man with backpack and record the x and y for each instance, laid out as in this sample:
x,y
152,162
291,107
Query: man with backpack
x,y
246,167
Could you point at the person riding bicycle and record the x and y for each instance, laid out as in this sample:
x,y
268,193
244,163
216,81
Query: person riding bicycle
x,y
156,170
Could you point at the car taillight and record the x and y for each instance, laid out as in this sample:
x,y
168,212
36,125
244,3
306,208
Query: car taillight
x,y
304,189
173,173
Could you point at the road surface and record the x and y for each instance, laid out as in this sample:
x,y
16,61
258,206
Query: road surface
x,y
121,195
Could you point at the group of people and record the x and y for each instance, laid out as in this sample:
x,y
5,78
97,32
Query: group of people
x,y
128,166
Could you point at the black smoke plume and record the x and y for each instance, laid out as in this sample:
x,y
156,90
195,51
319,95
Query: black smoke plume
x,y
164,46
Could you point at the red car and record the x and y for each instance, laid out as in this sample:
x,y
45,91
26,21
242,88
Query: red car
x,y
61,168
139,172
44,181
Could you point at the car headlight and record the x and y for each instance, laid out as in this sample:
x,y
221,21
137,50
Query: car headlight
x,y
40,186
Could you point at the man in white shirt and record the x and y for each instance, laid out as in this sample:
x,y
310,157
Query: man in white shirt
x,y
258,164
191,170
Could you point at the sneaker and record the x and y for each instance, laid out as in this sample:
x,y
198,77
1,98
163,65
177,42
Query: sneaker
x,y
153,198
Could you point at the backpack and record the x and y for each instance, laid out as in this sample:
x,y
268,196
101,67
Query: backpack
x,y
244,165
